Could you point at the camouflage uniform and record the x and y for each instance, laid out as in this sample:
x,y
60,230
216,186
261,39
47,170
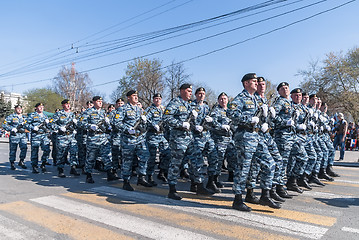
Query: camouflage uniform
x,y
115,139
39,138
132,144
156,140
17,138
177,112
65,140
98,144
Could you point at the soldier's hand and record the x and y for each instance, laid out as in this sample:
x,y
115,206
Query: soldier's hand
x,y
47,121
255,120
290,122
316,116
296,114
107,120
302,127
312,124
36,128
131,131
332,120
93,127
144,118
311,111
226,127
321,128
322,119
14,130
272,112
74,120
74,132
264,127
62,129
265,110
186,125
208,119
327,127
199,128
194,113
157,128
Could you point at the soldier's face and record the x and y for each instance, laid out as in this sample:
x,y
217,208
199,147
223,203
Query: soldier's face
x,y
18,110
157,101
261,88
200,95
186,94
66,106
296,97
284,91
120,104
251,85
313,101
98,104
223,101
305,99
40,109
90,105
133,99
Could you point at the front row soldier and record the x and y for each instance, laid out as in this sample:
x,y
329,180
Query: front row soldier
x,y
95,121
38,125
15,124
243,113
132,124
64,123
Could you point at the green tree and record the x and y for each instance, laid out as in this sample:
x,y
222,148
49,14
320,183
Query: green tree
x,y
5,107
48,97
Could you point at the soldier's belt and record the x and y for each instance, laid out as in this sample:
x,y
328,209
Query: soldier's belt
x,y
154,131
66,133
248,129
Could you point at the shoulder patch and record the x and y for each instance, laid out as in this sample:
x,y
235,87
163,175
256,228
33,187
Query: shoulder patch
x,y
233,106
117,115
167,112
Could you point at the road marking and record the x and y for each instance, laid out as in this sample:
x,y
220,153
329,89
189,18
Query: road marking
x,y
329,195
119,220
346,181
179,218
10,229
59,223
348,229
252,219
342,184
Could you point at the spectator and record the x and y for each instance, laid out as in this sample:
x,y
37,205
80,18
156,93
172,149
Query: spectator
x,y
341,135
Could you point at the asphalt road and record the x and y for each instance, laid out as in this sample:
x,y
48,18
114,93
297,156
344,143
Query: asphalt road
x,y
44,206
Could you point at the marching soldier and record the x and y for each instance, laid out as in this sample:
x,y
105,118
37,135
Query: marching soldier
x,y
156,140
132,124
64,123
15,124
37,124
97,125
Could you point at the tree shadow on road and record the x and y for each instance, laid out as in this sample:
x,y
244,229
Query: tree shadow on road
x,y
340,202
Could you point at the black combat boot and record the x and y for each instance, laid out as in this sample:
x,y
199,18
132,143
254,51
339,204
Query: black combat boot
x,y
141,180
193,187
114,171
282,192
43,168
211,185
323,175
251,197
201,190
74,171
162,176
111,176
173,193
22,164
89,178
293,186
273,194
218,183
230,176
12,166
314,179
35,169
331,172
266,200
303,182
184,173
151,181
61,173
238,204
126,185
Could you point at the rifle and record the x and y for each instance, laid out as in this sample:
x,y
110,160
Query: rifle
x,y
19,129
203,123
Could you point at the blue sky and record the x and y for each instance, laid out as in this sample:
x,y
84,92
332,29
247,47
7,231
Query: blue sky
x,y
40,29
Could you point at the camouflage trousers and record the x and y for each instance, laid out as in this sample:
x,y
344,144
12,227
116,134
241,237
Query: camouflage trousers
x,y
221,143
43,141
312,155
284,143
319,152
66,144
331,151
15,141
134,147
98,145
246,144
324,162
81,146
116,151
157,142
298,157
274,152
179,143
263,165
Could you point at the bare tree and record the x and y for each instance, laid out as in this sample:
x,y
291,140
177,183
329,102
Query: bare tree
x,y
73,85
175,76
